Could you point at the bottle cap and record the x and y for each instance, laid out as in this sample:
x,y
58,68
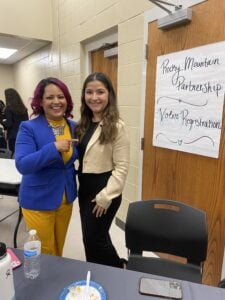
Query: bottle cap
x,y
2,249
33,232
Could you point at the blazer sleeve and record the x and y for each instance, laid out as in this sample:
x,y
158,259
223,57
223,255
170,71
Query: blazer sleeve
x,y
29,157
121,158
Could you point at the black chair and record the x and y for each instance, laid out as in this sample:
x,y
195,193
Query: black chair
x,y
10,190
5,153
221,284
171,227
3,143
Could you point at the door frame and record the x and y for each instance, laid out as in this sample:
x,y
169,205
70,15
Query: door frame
x,y
150,16
109,36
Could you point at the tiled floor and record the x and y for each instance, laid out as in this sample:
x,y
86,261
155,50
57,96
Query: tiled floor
x,y
73,247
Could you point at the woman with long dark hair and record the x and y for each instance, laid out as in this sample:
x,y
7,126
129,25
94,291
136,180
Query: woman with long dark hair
x,y
3,143
103,165
14,113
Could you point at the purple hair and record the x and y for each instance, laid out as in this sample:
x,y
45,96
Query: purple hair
x,y
39,92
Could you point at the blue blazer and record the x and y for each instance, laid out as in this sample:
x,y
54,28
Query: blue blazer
x,y
45,176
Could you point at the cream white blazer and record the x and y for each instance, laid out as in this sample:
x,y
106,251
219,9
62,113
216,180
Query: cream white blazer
x,y
115,157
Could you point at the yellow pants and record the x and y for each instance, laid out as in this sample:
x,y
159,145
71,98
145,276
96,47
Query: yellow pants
x,y
51,226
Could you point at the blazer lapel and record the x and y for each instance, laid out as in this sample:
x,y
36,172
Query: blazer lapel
x,y
94,137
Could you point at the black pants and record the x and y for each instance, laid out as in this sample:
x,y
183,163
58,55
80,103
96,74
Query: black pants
x,y
11,143
97,242
3,143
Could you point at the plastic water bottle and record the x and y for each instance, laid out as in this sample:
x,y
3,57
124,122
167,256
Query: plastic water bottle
x,y
32,251
7,291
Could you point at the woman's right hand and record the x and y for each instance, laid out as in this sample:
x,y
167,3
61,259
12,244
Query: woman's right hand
x,y
63,145
98,210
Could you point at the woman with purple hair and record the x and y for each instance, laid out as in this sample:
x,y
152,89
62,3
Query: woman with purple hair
x,y
45,155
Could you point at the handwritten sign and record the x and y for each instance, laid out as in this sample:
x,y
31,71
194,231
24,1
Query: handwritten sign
x,y
189,100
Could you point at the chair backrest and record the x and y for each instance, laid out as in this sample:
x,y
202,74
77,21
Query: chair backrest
x,y
221,284
5,153
167,226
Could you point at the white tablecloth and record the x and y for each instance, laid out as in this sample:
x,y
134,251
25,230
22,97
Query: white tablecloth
x,y
8,172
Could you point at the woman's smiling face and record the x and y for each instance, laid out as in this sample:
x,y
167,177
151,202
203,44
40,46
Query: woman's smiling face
x,y
54,102
96,98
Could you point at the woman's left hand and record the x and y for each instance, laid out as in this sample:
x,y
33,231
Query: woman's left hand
x,y
98,210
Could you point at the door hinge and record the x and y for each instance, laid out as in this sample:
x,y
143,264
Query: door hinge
x,y
142,143
146,51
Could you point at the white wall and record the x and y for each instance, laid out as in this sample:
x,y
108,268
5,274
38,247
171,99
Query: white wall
x,y
75,22
26,18
6,79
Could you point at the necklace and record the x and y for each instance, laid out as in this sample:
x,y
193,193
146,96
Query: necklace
x,y
58,129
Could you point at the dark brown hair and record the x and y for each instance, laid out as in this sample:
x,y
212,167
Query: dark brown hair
x,y
110,114
14,102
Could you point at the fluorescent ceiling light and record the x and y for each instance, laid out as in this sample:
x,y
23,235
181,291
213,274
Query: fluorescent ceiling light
x,y
6,52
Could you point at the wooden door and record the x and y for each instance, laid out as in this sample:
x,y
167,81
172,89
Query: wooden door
x,y
193,179
107,65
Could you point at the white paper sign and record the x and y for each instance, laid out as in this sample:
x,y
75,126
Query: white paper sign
x,y
189,100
